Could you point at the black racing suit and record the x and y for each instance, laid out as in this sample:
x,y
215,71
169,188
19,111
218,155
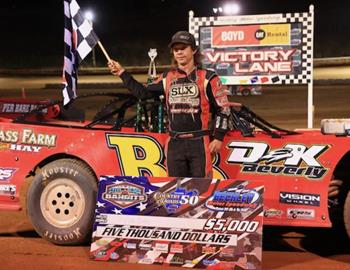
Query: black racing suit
x,y
189,101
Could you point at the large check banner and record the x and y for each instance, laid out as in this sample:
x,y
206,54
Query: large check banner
x,y
186,222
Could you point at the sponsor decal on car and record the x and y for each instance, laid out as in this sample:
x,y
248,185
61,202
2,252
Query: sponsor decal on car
x,y
295,213
272,212
19,108
143,155
6,173
8,190
27,140
291,160
300,198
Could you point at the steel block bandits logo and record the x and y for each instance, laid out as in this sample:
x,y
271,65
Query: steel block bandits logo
x,y
291,160
237,199
172,201
124,195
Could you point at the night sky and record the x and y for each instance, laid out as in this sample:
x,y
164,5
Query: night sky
x,y
32,31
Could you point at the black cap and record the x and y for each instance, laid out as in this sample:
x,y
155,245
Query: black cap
x,y
183,37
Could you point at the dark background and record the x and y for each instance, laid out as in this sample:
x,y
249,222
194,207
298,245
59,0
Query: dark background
x,y
32,31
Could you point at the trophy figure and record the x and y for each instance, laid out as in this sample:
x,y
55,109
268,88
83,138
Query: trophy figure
x,y
152,73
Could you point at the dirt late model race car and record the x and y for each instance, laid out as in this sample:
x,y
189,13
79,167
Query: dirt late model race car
x,y
305,173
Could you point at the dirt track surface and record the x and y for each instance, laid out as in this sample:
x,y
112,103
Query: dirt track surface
x,y
22,248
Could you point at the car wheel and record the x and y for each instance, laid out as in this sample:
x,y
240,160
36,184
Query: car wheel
x,y
245,92
61,202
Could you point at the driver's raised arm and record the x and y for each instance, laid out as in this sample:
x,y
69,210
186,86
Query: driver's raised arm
x,y
137,89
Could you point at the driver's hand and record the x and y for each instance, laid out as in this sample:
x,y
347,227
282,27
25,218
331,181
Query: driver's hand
x,y
215,146
115,68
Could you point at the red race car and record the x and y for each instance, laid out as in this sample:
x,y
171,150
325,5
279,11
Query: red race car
x,y
305,172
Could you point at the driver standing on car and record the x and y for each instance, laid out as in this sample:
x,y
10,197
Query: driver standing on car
x,y
191,93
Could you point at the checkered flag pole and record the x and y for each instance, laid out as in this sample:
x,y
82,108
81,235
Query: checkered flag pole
x,y
79,40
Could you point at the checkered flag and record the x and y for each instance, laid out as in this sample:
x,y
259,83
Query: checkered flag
x,y
79,39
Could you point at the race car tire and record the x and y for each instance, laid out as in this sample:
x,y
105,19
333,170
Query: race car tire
x,y
61,202
346,214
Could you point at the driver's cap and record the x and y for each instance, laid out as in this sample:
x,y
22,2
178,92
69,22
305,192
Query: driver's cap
x,y
183,37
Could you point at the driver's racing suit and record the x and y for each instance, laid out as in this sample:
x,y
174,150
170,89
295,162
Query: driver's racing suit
x,y
189,101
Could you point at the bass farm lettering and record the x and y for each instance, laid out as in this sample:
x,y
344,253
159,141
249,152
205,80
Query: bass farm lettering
x,y
28,137
291,160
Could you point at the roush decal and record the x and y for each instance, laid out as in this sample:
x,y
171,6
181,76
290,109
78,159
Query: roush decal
x,y
291,160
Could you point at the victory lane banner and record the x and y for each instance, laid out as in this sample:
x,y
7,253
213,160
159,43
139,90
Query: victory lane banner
x,y
184,222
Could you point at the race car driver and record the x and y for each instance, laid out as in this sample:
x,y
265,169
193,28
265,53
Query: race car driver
x,y
191,93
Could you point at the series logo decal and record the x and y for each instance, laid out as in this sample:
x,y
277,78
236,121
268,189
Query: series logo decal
x,y
6,173
173,200
237,199
291,160
124,195
300,198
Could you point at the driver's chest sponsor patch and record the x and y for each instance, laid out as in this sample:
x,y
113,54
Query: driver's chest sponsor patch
x,y
184,93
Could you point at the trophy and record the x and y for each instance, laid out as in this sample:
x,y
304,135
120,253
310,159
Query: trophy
x,y
152,73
